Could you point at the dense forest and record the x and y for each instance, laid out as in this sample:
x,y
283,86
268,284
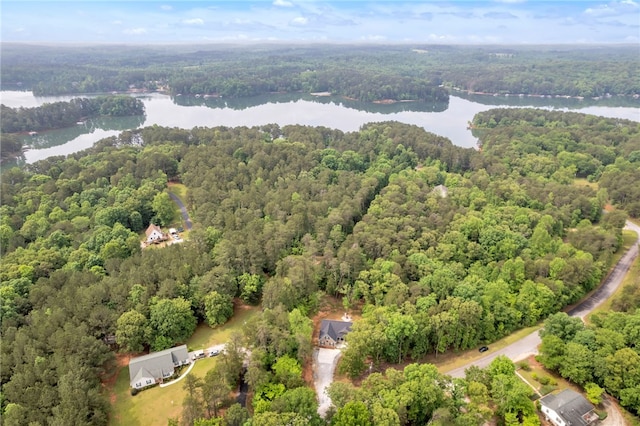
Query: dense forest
x,y
366,73
446,246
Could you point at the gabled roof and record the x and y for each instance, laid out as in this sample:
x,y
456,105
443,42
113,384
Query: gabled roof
x,y
334,329
157,364
571,406
152,228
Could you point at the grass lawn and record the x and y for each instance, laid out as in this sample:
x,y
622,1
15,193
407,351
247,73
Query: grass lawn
x,y
628,238
206,336
180,191
538,370
584,182
154,406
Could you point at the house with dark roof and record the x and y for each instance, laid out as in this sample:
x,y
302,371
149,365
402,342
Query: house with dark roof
x,y
154,234
332,332
154,368
568,408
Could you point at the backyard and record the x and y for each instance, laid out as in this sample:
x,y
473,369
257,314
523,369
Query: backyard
x,y
155,405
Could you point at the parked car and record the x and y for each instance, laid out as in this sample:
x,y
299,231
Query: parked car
x,y
214,352
484,348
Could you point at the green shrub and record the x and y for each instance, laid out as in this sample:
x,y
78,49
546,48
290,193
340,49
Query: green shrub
x,y
544,380
547,389
524,365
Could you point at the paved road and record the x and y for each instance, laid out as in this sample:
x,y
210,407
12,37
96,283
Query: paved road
x,y
183,210
528,345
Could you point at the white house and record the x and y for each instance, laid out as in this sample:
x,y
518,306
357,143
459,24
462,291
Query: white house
x,y
154,234
153,368
568,408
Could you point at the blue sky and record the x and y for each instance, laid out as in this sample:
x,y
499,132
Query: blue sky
x,y
446,22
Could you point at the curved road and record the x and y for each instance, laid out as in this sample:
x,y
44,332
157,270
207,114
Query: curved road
x,y
183,210
528,345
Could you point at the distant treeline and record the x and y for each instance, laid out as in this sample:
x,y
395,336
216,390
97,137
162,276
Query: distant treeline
x,y
64,114
366,73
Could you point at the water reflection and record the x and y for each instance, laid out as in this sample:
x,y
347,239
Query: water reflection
x,y
57,137
281,98
551,102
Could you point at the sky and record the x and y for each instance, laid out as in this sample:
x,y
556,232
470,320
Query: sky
x,y
360,21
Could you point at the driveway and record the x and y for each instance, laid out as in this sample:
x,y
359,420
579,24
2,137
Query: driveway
x,y
183,210
324,365
528,345
614,417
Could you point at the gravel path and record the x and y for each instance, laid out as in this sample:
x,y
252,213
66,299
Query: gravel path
x,y
324,365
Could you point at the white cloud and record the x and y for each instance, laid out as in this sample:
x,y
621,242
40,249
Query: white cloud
x,y
117,22
193,21
166,7
300,20
613,8
135,31
282,3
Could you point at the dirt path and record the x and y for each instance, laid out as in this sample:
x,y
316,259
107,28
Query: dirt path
x,y
324,365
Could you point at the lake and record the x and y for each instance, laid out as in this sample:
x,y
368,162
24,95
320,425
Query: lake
x,y
449,120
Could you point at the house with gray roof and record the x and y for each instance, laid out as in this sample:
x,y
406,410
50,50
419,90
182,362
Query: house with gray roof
x,y
568,408
333,332
154,368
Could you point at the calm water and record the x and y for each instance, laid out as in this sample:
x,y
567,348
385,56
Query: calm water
x,y
284,109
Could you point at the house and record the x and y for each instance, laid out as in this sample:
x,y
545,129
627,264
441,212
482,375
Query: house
x,y
154,234
332,332
153,368
441,190
568,408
